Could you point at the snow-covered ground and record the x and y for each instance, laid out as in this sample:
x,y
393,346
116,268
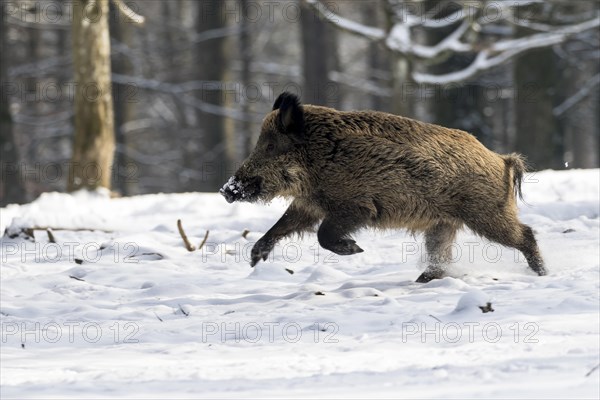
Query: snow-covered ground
x,y
126,311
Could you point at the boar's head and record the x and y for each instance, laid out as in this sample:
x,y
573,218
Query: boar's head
x,y
275,167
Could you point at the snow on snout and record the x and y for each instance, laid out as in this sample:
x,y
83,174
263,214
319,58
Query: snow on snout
x,y
231,190
232,185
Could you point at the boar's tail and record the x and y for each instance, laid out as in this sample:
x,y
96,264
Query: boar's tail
x,y
516,163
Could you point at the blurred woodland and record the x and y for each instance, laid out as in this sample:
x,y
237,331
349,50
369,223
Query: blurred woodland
x,y
168,96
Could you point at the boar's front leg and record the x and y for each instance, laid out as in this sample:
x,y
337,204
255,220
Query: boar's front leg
x,y
335,230
296,219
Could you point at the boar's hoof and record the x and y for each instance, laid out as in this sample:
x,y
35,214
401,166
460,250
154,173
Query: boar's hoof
x,y
541,270
430,274
424,278
261,250
344,247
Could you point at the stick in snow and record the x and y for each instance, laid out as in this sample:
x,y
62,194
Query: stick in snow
x,y
436,318
592,370
186,241
187,314
29,232
203,240
51,237
487,308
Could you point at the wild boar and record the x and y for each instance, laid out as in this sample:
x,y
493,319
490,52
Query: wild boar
x,y
359,169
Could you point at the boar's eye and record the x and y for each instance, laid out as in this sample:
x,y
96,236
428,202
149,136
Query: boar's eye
x,y
270,147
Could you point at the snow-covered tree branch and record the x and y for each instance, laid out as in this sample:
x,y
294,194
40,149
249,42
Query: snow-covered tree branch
x,y
464,39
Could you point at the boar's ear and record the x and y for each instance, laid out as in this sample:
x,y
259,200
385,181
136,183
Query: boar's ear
x,y
291,115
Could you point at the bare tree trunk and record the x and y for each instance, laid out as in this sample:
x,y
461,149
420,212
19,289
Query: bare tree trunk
x,y
579,72
319,56
120,30
403,86
402,83
499,108
378,58
181,67
216,129
538,132
94,145
246,56
11,185
583,129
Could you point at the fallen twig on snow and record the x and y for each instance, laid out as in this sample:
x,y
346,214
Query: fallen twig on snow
x,y
487,308
186,241
186,313
51,237
203,240
28,232
436,318
592,370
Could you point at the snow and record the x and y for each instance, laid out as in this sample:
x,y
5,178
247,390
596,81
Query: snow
x,y
399,39
126,311
486,59
346,24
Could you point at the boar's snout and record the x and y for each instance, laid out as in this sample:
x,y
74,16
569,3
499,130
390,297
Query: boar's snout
x,y
235,189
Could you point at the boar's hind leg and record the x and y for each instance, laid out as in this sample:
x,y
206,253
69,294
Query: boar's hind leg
x,y
510,232
294,220
438,241
334,234
530,250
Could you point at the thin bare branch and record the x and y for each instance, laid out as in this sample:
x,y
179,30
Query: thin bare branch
x,y
36,67
129,13
181,90
347,25
555,36
215,34
365,85
37,25
400,41
577,97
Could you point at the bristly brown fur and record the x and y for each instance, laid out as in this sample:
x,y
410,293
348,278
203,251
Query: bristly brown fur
x,y
357,169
